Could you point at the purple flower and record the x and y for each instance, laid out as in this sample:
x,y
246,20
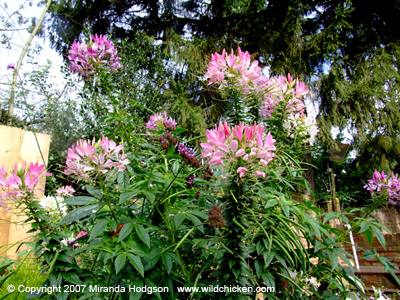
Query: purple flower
x,y
11,66
161,121
99,54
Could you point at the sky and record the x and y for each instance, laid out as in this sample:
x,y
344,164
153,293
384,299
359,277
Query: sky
x,y
19,38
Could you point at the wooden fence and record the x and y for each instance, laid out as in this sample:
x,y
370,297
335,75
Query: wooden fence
x,y
17,146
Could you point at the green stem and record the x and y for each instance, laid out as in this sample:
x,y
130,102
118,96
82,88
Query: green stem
x,y
21,57
104,190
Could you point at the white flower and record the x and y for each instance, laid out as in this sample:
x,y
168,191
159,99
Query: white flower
x,y
54,204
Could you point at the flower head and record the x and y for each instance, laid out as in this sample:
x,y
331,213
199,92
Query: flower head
x,y
98,54
65,191
161,121
246,144
87,158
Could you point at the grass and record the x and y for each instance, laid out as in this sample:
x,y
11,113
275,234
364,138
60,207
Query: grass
x,y
27,273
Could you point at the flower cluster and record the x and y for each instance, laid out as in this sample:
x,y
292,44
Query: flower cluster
x,y
216,220
71,240
298,125
54,205
225,68
84,158
245,144
282,90
65,191
167,140
188,156
19,183
246,76
161,121
86,59
388,186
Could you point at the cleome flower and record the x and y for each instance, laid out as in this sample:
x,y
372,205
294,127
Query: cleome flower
x,y
246,147
282,89
65,191
20,182
54,205
240,69
383,184
87,158
161,121
99,54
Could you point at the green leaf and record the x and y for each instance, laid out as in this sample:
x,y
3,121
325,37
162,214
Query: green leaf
x,y
329,216
259,267
364,226
136,263
167,261
178,219
125,196
271,203
143,235
368,234
329,296
151,284
196,222
171,151
79,213
94,192
123,179
125,231
98,229
175,167
269,280
179,130
120,262
79,200
368,255
136,295
72,278
334,259
380,237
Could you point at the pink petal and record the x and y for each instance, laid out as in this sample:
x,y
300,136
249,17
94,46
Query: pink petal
x,y
240,152
234,145
224,147
206,146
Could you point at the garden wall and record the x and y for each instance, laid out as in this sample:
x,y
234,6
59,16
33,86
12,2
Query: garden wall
x,y
390,218
17,146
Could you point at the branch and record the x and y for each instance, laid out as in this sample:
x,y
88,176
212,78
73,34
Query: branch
x,y
28,43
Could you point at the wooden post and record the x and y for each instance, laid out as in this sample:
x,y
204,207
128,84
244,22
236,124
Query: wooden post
x,y
16,147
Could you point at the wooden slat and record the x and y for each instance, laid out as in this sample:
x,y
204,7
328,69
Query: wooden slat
x,y
17,146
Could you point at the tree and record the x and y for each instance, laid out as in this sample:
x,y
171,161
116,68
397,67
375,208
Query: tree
x,y
347,51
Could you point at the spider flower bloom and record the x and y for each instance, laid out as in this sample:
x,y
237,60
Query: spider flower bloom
x,y
18,183
99,54
243,145
283,89
388,186
65,191
160,121
230,67
93,158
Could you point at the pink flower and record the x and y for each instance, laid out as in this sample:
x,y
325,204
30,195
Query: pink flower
x,y
95,158
244,144
81,234
262,174
11,66
160,121
19,183
241,171
65,191
99,54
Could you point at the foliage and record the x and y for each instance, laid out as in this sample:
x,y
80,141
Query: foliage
x,y
345,50
144,220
